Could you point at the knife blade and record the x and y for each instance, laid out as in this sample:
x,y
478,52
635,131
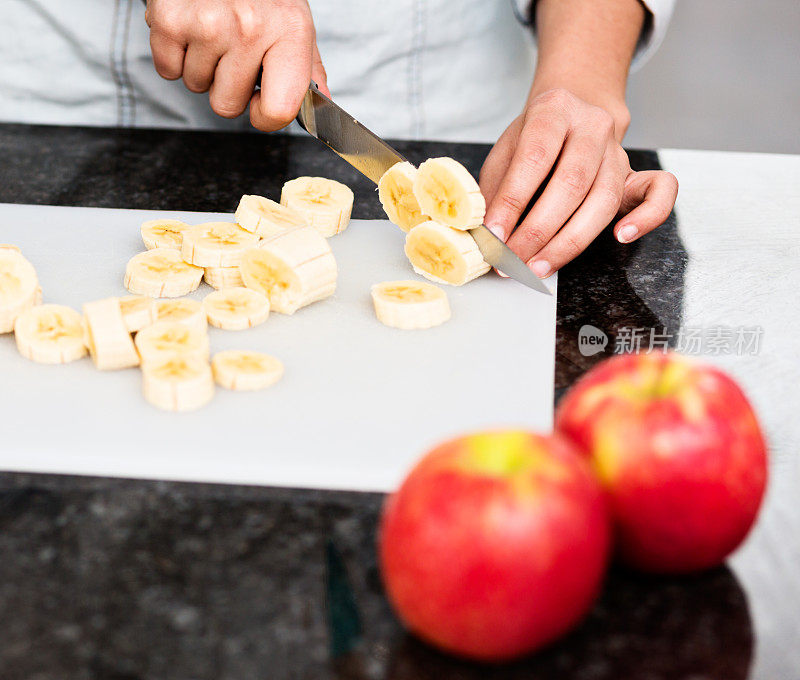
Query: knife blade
x,y
372,157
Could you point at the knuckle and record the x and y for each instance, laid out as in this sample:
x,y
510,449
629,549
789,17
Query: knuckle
x,y
572,247
280,112
609,199
604,122
534,155
226,107
574,179
208,24
250,25
535,237
512,203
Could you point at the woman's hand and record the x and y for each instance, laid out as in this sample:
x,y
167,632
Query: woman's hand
x,y
592,182
219,46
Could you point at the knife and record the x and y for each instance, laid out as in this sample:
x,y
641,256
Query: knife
x,y
372,157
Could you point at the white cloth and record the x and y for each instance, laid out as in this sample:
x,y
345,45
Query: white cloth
x,y
419,69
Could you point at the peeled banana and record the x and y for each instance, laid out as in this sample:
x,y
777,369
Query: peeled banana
x,y
19,287
165,339
223,277
178,383
449,194
163,233
265,217
292,269
107,336
161,273
245,370
325,204
234,309
444,255
138,311
410,304
216,244
396,194
188,312
50,334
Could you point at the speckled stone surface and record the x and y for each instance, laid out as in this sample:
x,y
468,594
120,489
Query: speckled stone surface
x,y
133,580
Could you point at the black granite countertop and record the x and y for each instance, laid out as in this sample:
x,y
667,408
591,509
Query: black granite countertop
x,y
142,580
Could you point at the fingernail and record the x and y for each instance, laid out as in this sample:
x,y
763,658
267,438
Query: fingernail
x,y
541,268
627,234
501,275
497,231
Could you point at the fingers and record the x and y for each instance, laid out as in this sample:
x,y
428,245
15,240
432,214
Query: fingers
x,y
287,74
573,178
538,145
496,164
648,199
594,215
199,66
168,54
234,82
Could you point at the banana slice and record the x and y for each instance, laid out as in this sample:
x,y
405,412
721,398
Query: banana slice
x,y
292,269
444,255
138,311
410,304
325,204
19,287
449,194
234,309
266,218
161,273
163,233
165,339
188,312
107,336
9,246
178,383
50,334
216,244
223,277
244,370
396,194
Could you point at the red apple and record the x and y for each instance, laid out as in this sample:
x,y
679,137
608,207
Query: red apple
x,y
496,544
679,450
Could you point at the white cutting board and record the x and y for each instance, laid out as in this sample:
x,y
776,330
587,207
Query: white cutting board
x,y
359,402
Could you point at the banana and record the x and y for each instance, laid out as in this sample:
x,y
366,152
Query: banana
x,y
161,273
19,287
166,339
138,311
163,233
234,309
107,336
216,244
178,383
449,194
188,312
223,277
50,334
292,269
443,254
410,304
9,246
325,204
244,370
265,217
396,194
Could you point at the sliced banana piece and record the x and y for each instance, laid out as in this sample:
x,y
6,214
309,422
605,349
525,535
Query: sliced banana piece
x,y
178,383
292,269
396,194
223,277
443,254
9,246
138,311
265,217
449,194
245,370
50,334
163,233
184,311
410,304
165,339
161,273
235,309
107,336
19,287
325,204
216,244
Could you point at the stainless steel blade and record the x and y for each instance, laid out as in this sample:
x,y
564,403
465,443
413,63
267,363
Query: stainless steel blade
x,y
371,156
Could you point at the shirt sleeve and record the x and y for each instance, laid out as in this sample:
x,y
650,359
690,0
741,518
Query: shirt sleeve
x,y
659,13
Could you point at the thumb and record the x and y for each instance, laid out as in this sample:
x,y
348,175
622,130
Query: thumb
x,y
318,74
